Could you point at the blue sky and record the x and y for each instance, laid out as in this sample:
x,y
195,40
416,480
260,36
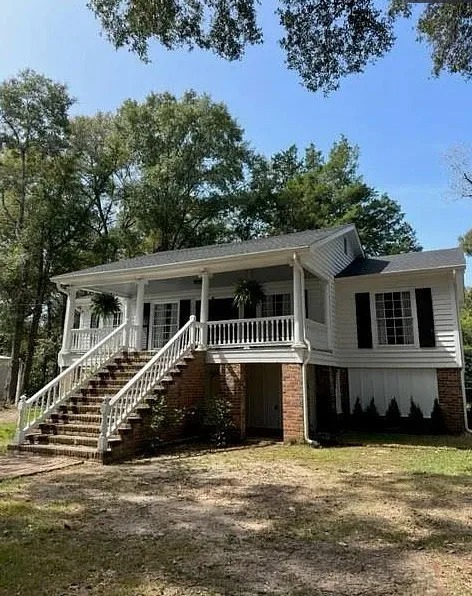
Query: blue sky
x,y
404,121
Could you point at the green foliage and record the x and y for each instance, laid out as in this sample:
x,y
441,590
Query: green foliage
x,y
190,155
290,193
393,417
415,418
372,420
357,416
248,292
438,424
466,318
324,40
218,424
105,305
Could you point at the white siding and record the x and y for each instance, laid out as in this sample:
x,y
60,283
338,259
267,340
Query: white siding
x,y
447,350
328,260
383,384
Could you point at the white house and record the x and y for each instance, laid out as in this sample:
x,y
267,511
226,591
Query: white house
x,y
333,326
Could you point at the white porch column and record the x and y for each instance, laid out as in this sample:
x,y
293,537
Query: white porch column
x,y
127,319
138,314
298,302
204,310
69,320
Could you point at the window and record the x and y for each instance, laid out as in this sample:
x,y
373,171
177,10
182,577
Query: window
x,y
76,324
276,305
394,318
94,321
164,323
117,319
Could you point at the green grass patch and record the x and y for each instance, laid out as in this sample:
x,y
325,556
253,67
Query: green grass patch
x,y
7,431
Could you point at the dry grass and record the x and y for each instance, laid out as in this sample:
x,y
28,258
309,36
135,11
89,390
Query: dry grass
x,y
256,520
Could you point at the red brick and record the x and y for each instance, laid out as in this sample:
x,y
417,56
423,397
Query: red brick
x,y
451,398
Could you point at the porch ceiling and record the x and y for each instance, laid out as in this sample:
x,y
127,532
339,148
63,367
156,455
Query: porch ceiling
x,y
187,285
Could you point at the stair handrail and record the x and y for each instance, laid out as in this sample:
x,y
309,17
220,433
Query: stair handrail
x,y
115,410
33,410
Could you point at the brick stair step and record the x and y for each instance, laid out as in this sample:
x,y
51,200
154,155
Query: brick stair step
x,y
85,400
77,451
75,440
79,408
87,418
70,429
109,389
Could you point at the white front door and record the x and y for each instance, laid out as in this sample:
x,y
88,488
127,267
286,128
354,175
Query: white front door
x,y
164,323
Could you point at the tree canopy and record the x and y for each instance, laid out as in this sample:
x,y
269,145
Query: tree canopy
x,y
290,192
324,40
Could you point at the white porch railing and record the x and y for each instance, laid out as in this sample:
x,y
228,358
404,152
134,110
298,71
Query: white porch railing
x,y
117,409
35,409
317,334
83,340
247,332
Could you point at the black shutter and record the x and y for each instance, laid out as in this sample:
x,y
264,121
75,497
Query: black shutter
x,y
363,320
198,305
146,325
424,311
184,312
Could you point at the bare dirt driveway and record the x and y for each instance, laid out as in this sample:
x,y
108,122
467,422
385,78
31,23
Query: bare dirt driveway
x,y
257,520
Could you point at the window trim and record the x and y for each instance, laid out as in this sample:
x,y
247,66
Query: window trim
x,y
375,329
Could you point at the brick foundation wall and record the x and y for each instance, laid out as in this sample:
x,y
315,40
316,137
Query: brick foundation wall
x,y
186,391
292,403
451,398
233,383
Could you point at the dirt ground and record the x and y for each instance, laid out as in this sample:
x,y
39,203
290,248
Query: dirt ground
x,y
265,519
8,415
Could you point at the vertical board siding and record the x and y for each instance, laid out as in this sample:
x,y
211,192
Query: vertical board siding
x,y
383,384
447,350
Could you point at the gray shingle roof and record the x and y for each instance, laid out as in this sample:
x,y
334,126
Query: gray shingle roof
x,y
411,261
296,240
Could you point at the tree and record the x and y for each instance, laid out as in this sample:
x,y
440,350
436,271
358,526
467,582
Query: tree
x,y
466,318
33,130
324,40
103,166
188,156
289,193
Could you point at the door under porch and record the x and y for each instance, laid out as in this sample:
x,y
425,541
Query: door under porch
x,y
264,400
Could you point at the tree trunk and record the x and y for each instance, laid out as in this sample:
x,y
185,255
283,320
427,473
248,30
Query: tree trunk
x,y
17,338
37,312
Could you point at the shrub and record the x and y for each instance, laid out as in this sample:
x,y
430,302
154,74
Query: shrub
x,y
162,417
415,418
372,416
218,424
357,416
393,417
438,425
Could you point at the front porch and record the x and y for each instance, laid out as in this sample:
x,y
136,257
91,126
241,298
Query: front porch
x,y
294,313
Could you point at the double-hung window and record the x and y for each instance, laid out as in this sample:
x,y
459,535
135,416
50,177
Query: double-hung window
x,y
394,316
276,305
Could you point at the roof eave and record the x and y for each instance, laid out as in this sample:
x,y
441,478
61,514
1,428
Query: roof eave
x,y
408,271
183,269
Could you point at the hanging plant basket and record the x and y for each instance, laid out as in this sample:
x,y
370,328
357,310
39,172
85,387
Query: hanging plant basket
x,y
248,292
105,305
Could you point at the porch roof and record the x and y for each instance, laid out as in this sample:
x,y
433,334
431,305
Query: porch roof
x,y
200,256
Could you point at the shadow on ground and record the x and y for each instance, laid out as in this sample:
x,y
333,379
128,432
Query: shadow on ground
x,y
213,525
